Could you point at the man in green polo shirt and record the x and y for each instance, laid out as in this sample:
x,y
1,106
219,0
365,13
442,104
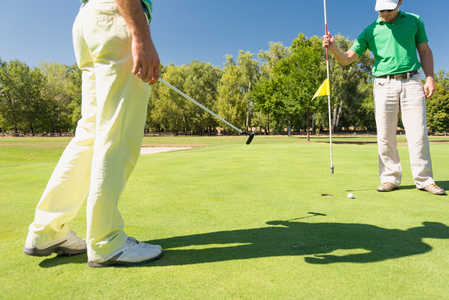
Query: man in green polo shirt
x,y
395,39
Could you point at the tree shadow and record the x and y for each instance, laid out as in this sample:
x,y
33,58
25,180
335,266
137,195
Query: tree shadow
x,y
362,243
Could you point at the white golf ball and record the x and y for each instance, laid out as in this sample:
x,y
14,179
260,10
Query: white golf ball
x,y
351,196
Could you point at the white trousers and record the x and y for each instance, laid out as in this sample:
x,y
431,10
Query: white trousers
x,y
390,96
100,158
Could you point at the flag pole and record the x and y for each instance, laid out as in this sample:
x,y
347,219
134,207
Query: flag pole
x,y
328,95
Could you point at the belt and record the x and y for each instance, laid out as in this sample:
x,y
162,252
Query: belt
x,y
401,76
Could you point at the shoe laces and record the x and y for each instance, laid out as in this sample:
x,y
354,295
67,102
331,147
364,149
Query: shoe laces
x,y
132,240
72,236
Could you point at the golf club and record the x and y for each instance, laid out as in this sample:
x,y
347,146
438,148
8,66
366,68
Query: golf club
x,y
310,215
251,134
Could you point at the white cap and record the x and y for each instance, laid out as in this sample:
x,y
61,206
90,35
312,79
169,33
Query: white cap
x,y
386,4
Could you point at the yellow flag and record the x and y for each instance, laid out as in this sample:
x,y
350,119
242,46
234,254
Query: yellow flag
x,y
323,90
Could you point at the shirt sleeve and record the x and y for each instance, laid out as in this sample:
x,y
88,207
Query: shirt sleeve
x,y
148,8
421,36
360,44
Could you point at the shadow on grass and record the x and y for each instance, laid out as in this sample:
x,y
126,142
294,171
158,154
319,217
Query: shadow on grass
x,y
316,242
63,260
354,142
442,184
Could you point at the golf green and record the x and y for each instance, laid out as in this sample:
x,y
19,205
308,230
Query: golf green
x,y
242,221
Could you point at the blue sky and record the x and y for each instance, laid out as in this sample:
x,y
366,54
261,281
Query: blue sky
x,y
207,30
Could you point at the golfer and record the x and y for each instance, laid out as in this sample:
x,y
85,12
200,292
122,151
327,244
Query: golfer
x,y
114,49
395,39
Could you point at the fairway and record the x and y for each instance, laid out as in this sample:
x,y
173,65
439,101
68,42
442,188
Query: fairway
x,y
242,221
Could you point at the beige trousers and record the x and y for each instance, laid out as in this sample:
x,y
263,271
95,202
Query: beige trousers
x,y
100,158
390,96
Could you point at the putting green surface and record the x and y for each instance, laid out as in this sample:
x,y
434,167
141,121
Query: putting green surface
x,y
242,222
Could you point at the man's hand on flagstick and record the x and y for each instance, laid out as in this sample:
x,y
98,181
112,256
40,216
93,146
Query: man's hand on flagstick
x,y
328,41
344,58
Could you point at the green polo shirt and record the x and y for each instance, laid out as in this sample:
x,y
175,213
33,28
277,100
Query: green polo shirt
x,y
147,7
393,44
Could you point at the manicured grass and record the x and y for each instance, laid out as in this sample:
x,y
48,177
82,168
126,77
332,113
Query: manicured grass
x,y
242,222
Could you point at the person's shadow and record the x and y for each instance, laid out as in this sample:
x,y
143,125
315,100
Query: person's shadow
x,y
316,242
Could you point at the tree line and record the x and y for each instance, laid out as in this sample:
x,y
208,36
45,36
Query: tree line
x,y
270,92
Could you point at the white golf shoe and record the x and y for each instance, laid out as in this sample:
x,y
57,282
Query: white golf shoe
x,y
387,187
70,244
131,253
434,189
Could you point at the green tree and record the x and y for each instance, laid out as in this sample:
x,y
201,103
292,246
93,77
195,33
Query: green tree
x,y
349,87
262,96
438,109
299,75
270,57
234,101
58,92
250,70
201,84
11,105
263,93
231,104
34,112
74,92
169,111
20,101
362,116
2,72
442,78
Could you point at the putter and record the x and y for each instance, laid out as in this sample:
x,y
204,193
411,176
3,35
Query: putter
x,y
251,134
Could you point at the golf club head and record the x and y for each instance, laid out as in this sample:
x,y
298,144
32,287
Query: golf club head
x,y
250,138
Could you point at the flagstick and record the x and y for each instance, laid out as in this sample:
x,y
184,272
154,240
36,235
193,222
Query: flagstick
x,y
328,95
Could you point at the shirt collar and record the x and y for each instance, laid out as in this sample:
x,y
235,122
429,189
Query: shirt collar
x,y
380,21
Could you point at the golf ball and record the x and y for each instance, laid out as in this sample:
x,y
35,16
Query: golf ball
x,y
351,196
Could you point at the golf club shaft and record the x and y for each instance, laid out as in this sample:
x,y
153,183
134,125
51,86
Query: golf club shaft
x,y
310,213
200,105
